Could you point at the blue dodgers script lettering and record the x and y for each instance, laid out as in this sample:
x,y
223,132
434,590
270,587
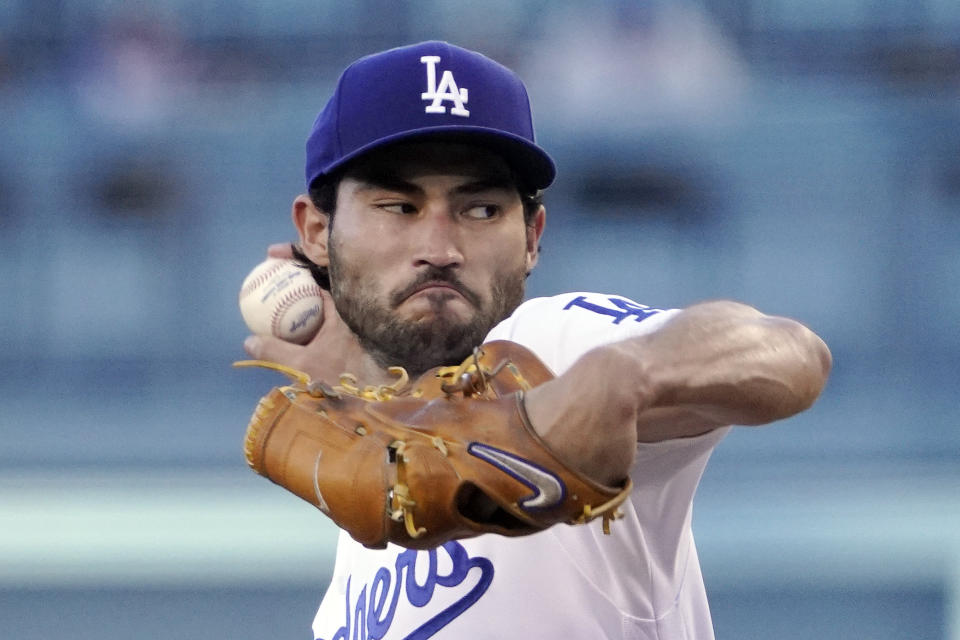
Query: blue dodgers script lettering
x,y
620,311
370,617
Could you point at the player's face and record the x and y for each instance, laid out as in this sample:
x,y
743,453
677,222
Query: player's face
x,y
428,250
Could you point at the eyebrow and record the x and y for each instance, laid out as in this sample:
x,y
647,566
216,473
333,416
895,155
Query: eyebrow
x,y
388,182
491,183
392,182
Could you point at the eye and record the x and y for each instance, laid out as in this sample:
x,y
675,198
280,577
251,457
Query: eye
x,y
404,208
482,212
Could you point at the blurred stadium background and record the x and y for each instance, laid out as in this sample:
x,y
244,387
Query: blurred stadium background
x,y
800,156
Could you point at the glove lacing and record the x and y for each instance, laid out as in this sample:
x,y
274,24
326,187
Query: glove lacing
x,y
348,382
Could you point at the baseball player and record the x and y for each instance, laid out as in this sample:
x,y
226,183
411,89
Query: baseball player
x,y
422,220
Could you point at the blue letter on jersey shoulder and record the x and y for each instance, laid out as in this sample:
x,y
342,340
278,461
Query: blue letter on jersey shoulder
x,y
620,310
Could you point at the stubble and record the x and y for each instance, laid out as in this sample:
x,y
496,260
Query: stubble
x,y
437,339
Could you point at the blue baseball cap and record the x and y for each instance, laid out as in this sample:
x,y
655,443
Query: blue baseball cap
x,y
427,90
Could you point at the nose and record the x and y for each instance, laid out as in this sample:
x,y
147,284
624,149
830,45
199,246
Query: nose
x,y
438,240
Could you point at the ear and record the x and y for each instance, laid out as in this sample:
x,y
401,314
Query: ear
x,y
313,226
534,232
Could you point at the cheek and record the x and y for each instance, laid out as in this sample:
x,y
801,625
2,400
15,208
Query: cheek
x,y
360,270
363,246
376,245
508,252
347,269
503,261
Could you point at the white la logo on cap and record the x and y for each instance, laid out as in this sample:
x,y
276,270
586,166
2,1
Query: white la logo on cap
x,y
447,90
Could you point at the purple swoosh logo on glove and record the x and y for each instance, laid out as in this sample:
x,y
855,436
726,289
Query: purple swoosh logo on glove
x,y
548,489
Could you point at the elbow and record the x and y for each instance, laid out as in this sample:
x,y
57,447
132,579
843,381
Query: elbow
x,y
824,359
812,364
799,365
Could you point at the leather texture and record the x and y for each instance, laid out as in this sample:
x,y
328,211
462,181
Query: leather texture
x,y
451,455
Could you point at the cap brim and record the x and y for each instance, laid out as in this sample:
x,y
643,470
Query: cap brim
x,y
531,163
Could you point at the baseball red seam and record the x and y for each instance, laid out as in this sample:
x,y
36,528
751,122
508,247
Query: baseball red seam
x,y
295,295
263,277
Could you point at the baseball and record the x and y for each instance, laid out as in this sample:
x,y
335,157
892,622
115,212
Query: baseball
x,y
282,299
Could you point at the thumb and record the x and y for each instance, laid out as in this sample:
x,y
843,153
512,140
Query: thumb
x,y
272,349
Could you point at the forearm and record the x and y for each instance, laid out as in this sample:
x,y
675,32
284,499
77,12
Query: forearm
x,y
730,364
713,364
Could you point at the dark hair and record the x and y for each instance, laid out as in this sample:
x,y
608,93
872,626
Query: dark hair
x,y
323,194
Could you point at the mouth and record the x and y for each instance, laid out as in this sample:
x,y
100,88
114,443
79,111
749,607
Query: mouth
x,y
436,287
439,288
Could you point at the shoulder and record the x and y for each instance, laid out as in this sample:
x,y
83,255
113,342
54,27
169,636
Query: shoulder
x,y
561,328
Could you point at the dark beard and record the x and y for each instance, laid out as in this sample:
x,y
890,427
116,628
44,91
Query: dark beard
x,y
419,346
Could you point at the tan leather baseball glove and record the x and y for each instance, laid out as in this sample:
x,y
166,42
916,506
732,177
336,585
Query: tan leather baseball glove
x,y
451,455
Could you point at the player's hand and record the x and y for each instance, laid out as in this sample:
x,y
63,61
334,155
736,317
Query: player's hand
x,y
324,357
280,250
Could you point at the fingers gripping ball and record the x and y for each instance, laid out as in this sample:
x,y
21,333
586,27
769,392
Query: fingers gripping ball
x,y
449,455
281,298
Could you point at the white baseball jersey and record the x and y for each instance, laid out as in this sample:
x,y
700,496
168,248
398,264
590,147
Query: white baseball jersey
x,y
642,582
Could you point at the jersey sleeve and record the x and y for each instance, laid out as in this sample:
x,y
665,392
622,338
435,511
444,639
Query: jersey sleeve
x,y
559,329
